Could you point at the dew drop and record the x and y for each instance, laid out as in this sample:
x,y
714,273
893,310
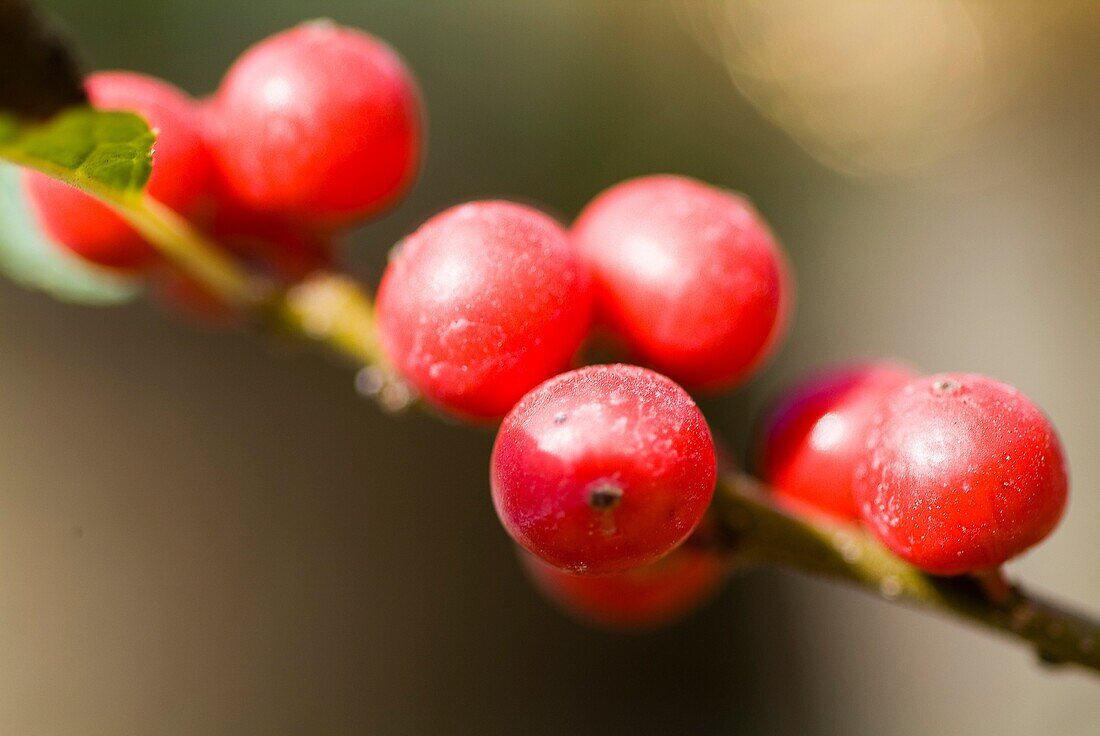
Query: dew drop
x,y
850,552
390,393
890,587
368,382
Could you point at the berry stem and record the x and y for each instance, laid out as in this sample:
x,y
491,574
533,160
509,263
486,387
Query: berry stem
x,y
177,240
332,309
328,308
760,532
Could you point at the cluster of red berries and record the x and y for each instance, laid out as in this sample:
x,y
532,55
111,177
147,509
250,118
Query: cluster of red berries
x,y
955,472
603,474
310,131
600,474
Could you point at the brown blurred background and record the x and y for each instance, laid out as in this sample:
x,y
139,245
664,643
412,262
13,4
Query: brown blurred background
x,y
211,534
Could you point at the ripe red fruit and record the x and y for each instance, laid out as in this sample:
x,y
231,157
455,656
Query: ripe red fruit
x,y
603,468
636,599
286,259
270,249
270,246
816,435
689,276
181,173
481,304
962,474
320,123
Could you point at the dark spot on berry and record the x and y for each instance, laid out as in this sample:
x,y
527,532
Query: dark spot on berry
x,y
605,496
945,387
560,417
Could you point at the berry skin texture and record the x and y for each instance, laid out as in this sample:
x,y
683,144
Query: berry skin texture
x,y
688,276
320,123
602,469
181,174
639,599
962,473
481,304
816,435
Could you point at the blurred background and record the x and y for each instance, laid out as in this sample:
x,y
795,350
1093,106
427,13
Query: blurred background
x,y
209,533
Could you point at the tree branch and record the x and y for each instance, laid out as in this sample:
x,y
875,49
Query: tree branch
x,y
761,532
331,309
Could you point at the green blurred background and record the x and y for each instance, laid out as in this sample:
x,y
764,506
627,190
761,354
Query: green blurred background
x,y
209,533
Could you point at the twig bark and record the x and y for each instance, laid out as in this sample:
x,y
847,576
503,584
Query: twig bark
x,y
760,531
333,310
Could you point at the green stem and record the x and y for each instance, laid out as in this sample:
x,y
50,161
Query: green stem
x,y
192,252
327,308
333,310
761,532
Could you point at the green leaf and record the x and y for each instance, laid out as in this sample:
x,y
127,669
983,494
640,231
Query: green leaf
x,y
108,154
29,257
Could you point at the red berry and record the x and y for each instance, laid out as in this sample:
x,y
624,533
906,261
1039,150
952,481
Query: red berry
x,y
481,304
181,173
962,474
689,276
272,250
603,468
639,598
816,435
320,123
272,247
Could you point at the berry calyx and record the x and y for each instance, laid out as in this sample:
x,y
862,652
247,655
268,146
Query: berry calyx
x,y
816,435
181,173
687,275
481,304
638,599
962,473
321,123
602,469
